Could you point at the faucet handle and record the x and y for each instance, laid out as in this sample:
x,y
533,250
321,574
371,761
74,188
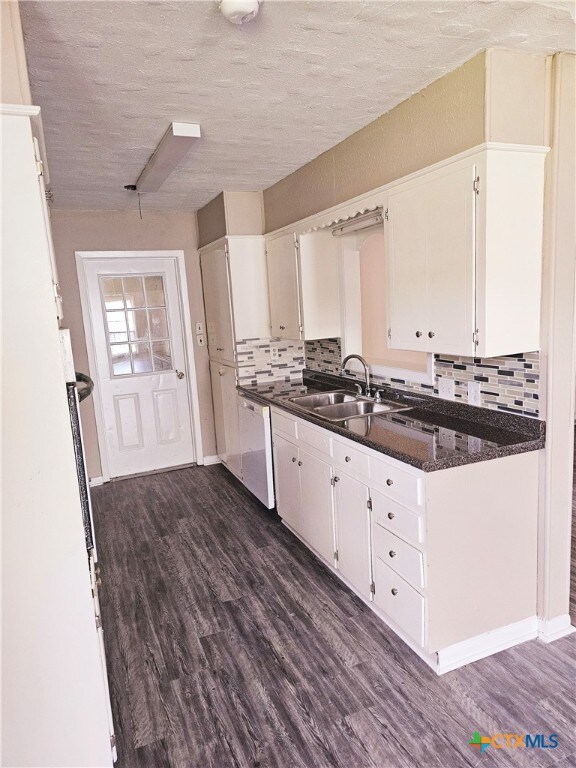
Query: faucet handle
x,y
358,387
378,395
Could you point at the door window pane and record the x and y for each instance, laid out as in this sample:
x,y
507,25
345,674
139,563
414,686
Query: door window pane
x,y
136,324
158,323
161,355
141,359
112,292
155,291
120,356
134,292
117,330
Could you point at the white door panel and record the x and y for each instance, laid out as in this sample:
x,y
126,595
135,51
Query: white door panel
x,y
136,320
283,287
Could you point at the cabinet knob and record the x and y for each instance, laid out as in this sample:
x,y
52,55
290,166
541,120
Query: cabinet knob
x,y
299,463
390,515
219,349
282,327
431,334
347,458
392,553
418,334
389,482
180,374
394,591
336,479
293,458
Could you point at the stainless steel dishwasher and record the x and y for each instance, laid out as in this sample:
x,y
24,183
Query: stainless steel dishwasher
x,y
256,448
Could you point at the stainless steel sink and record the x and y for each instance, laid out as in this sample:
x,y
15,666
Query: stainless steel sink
x,y
311,402
357,408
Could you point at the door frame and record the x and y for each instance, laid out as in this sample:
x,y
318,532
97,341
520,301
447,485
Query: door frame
x,y
177,257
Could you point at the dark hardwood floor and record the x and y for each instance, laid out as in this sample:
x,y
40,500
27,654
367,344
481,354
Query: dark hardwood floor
x,y
230,646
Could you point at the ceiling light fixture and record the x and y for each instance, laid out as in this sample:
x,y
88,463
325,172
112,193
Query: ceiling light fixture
x,y
361,221
173,146
239,11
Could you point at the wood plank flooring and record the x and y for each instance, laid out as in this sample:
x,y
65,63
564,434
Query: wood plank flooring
x,y
230,646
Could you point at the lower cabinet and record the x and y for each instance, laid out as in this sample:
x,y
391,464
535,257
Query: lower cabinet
x,y
352,524
447,558
304,495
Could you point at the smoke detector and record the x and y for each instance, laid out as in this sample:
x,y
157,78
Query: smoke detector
x,y
239,11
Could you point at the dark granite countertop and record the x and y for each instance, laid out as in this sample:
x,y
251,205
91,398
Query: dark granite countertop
x,y
433,434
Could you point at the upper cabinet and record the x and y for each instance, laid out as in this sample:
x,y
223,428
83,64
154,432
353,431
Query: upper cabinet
x,y
235,293
464,250
303,282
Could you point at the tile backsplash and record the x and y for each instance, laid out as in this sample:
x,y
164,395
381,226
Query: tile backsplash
x,y
508,383
264,360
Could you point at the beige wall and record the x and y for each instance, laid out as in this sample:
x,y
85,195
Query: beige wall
x,y
14,86
211,221
124,230
496,96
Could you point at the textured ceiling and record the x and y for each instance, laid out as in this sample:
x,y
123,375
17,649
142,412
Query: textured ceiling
x,y
270,95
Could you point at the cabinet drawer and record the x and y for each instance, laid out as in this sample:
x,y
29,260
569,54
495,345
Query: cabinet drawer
x,y
351,459
284,424
400,520
399,601
401,557
314,437
396,483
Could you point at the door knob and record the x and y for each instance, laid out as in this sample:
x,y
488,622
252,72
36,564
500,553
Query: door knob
x,y
180,374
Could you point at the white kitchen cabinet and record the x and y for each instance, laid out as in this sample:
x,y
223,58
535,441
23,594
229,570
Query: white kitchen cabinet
x,y
225,401
303,281
304,495
446,558
352,524
283,287
464,251
235,294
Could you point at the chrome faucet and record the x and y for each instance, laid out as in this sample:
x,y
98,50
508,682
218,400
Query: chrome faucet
x,y
366,370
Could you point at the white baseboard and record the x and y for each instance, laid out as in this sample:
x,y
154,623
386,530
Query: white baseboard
x,y
212,460
94,481
553,629
486,644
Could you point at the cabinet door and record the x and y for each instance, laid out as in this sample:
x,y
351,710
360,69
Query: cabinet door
x,y
406,253
320,284
216,288
352,521
248,277
287,475
225,399
317,514
450,261
283,287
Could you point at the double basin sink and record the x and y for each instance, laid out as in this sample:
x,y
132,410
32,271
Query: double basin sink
x,y
342,405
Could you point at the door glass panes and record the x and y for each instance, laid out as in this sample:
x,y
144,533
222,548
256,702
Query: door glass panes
x,y
155,291
136,324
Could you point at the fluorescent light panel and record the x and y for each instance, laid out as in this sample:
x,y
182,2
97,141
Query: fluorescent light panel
x,y
173,146
362,221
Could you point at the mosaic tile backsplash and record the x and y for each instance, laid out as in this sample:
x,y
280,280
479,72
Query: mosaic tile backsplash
x,y
271,359
508,383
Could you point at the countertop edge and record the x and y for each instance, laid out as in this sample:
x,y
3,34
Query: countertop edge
x,y
426,466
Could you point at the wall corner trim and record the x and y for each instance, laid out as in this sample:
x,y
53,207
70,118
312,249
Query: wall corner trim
x,y
553,629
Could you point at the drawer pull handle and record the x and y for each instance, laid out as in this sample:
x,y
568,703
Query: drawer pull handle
x,y
394,591
299,463
392,553
389,482
391,515
347,458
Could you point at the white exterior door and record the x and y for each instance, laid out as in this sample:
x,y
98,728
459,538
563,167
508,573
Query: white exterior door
x,y
141,370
